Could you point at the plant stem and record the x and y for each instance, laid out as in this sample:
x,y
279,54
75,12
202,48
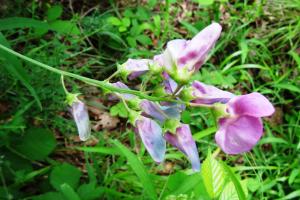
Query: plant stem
x,y
102,84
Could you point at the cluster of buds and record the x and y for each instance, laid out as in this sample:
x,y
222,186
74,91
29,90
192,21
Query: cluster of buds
x,y
238,116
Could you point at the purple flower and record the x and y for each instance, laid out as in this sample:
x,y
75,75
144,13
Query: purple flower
x,y
135,67
207,94
242,129
184,141
160,113
183,57
119,84
81,117
151,135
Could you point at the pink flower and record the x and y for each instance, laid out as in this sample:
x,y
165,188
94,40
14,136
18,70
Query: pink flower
x,y
243,128
183,57
184,141
208,94
133,68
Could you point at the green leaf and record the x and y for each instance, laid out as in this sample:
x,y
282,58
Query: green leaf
x,y
89,191
119,110
213,176
125,22
204,2
64,173
229,192
192,29
54,12
21,22
68,192
235,181
138,168
14,66
37,143
144,39
114,21
287,86
49,196
64,27
199,135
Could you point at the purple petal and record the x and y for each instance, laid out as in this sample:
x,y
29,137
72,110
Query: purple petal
x,y
184,141
170,85
153,110
160,113
151,135
197,49
136,67
119,84
253,104
172,53
208,94
81,117
238,135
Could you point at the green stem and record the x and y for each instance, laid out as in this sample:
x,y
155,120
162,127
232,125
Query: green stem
x,y
63,84
103,84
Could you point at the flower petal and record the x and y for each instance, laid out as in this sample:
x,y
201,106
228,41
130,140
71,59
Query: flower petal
x,y
172,53
119,84
197,49
136,67
151,135
238,135
153,110
184,141
169,83
81,117
160,113
254,104
208,94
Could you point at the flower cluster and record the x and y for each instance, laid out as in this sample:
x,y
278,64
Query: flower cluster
x,y
239,116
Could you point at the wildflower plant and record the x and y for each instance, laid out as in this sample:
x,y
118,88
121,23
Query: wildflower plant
x,y
155,113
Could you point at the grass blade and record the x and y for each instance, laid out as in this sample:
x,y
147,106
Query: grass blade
x,y
138,168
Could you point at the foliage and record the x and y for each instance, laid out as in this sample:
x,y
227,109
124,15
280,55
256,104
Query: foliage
x,y
40,156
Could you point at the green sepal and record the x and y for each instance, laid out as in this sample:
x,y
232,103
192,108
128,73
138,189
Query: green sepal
x,y
155,68
123,73
186,94
171,125
133,116
134,103
219,110
71,98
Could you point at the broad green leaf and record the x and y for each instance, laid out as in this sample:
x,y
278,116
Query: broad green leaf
x,y
213,176
64,173
204,2
138,168
229,192
114,21
64,27
14,66
119,110
144,39
68,192
54,12
235,181
37,143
